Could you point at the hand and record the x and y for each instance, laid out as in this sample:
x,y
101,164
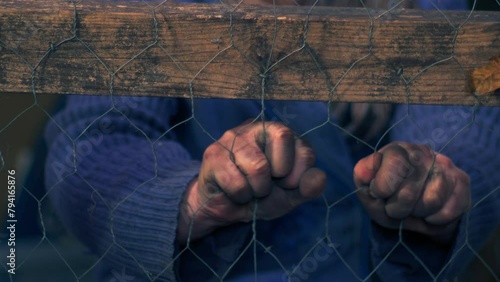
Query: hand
x,y
272,168
410,182
363,120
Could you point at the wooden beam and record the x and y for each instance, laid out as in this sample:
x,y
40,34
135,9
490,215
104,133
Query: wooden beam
x,y
228,51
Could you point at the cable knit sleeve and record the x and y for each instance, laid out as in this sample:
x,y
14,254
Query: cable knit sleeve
x,y
116,176
471,138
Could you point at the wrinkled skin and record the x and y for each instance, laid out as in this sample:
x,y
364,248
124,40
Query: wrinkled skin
x,y
249,165
274,169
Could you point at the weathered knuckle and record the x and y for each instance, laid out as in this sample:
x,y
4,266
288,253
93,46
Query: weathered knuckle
x,y
449,214
404,168
408,196
229,182
282,133
420,156
234,186
259,166
433,201
222,178
439,178
209,190
398,164
229,134
446,162
390,184
396,148
436,173
307,154
211,152
382,191
426,149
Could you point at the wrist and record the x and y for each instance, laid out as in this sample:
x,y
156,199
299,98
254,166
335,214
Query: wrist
x,y
193,222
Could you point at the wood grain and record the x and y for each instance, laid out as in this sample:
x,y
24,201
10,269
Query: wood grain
x,y
228,51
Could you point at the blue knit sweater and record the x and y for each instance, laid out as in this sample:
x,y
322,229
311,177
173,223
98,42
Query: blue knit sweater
x,y
117,169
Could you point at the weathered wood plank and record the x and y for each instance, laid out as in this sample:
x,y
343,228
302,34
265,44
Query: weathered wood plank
x,y
291,53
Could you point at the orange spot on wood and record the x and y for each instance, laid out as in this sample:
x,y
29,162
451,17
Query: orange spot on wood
x,y
486,79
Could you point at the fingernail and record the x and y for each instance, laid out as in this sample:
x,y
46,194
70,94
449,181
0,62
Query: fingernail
x,y
370,190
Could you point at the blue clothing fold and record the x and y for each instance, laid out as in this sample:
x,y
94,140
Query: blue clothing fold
x,y
120,191
117,169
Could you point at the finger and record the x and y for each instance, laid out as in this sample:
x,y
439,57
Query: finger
x,y
437,191
457,204
220,174
380,114
364,173
394,169
376,209
339,112
402,203
312,183
418,154
304,158
360,114
248,158
281,200
280,149
366,169
252,162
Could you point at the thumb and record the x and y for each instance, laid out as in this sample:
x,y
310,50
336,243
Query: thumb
x,y
282,200
366,169
312,183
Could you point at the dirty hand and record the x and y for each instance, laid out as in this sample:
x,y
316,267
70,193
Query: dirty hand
x,y
410,182
249,166
363,120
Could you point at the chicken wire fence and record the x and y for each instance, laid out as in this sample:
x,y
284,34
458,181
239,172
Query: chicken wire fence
x,y
327,246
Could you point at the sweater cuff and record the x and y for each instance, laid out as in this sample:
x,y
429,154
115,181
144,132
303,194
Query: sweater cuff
x,y
145,226
123,201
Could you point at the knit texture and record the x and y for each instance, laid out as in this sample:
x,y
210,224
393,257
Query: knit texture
x,y
117,174
116,188
471,139
118,167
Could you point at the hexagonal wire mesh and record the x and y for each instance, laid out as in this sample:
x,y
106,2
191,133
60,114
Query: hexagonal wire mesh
x,y
117,168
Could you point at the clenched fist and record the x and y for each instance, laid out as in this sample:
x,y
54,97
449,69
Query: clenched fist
x,y
253,164
364,120
410,182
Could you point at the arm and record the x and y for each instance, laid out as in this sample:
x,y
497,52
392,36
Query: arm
x,y
121,193
471,147
253,164
126,190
